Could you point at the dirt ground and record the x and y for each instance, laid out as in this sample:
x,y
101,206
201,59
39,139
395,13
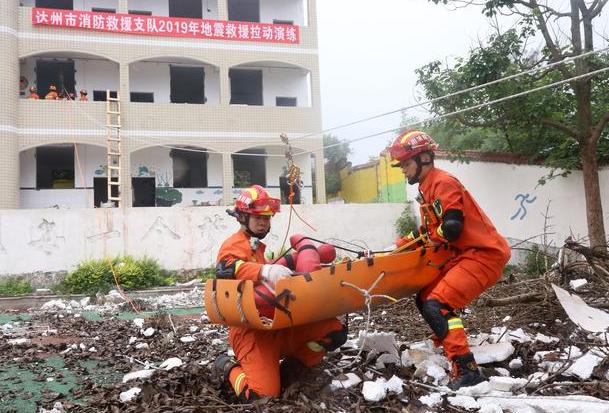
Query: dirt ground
x,y
80,361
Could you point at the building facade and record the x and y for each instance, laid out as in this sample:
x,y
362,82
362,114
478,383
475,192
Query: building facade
x,y
206,87
374,181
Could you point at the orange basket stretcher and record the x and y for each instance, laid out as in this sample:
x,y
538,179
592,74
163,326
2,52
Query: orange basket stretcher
x,y
328,292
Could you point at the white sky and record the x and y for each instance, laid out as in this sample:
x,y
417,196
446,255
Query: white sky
x,y
369,51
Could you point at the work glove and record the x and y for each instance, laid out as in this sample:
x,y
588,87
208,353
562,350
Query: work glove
x,y
408,239
272,273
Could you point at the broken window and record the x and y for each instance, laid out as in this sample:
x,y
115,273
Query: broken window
x,y
186,8
56,4
244,10
278,21
56,72
245,86
285,101
141,12
187,84
55,167
249,167
189,168
103,10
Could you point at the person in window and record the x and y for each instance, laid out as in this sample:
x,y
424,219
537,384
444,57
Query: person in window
x,y
450,216
257,371
52,95
33,93
83,96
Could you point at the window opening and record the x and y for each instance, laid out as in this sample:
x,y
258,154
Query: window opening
x,y
55,167
186,8
103,10
244,10
100,95
249,170
187,84
147,97
58,73
246,86
56,4
285,101
141,12
189,168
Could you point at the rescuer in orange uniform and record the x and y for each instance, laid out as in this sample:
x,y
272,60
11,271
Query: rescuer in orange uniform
x,y
257,372
450,215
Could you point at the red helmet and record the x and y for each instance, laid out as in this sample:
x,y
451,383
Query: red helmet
x,y
255,200
411,143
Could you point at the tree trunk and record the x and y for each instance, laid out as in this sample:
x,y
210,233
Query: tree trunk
x,y
594,207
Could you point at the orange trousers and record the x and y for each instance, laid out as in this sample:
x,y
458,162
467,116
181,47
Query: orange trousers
x,y
259,353
463,280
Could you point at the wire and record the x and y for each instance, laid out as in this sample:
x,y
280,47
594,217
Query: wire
x,y
470,108
457,93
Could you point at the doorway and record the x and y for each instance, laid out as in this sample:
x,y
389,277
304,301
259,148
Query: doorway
x,y
186,8
56,4
100,191
143,191
187,84
59,73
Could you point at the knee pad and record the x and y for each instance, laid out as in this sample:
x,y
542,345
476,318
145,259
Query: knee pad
x,y
334,339
436,314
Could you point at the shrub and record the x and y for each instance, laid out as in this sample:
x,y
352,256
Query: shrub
x,y
537,262
15,286
92,276
406,221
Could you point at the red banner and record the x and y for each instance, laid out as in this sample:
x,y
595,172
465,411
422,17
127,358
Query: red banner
x,y
167,26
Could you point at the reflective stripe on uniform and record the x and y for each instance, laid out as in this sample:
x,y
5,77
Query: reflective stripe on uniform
x,y
238,383
455,323
237,265
315,346
440,231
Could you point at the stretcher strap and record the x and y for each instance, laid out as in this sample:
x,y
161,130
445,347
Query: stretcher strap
x,y
214,300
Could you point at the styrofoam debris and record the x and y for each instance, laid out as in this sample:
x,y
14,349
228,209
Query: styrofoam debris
x,y
85,301
490,353
7,329
380,342
141,346
171,363
217,342
54,305
374,391
132,340
92,350
427,369
546,404
19,341
149,332
187,339
589,318
395,384
193,329
507,383
139,322
546,339
578,283
584,366
480,389
57,408
516,363
385,359
502,372
465,402
431,399
349,380
129,395
136,375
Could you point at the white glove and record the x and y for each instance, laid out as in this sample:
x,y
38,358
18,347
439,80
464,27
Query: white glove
x,y
274,272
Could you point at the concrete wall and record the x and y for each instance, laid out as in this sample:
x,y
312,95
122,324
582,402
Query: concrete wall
x,y
53,240
514,201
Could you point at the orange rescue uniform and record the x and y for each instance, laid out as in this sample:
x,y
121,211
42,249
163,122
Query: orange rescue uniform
x,y
481,253
258,351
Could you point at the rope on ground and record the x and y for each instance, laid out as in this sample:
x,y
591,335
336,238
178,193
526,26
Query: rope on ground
x,y
120,289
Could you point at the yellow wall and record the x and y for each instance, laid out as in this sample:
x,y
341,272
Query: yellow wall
x,y
376,181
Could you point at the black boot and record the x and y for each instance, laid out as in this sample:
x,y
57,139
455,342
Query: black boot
x,y
290,371
223,365
465,372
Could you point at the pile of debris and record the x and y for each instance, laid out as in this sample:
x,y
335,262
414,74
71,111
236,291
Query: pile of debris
x,y
539,341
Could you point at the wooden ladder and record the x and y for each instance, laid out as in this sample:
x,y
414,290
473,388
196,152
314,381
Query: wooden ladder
x,y
113,143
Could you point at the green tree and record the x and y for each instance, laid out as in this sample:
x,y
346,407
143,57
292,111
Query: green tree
x,y
562,125
336,153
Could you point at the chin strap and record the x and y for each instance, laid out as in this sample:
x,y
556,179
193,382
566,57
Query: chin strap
x,y
420,164
244,219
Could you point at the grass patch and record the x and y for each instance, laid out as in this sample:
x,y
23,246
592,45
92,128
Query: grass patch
x,y
14,286
92,276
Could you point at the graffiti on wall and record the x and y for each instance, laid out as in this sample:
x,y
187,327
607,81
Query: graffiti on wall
x,y
523,199
48,240
211,225
160,229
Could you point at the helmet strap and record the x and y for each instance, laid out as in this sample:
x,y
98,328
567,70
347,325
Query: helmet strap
x,y
244,219
420,163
